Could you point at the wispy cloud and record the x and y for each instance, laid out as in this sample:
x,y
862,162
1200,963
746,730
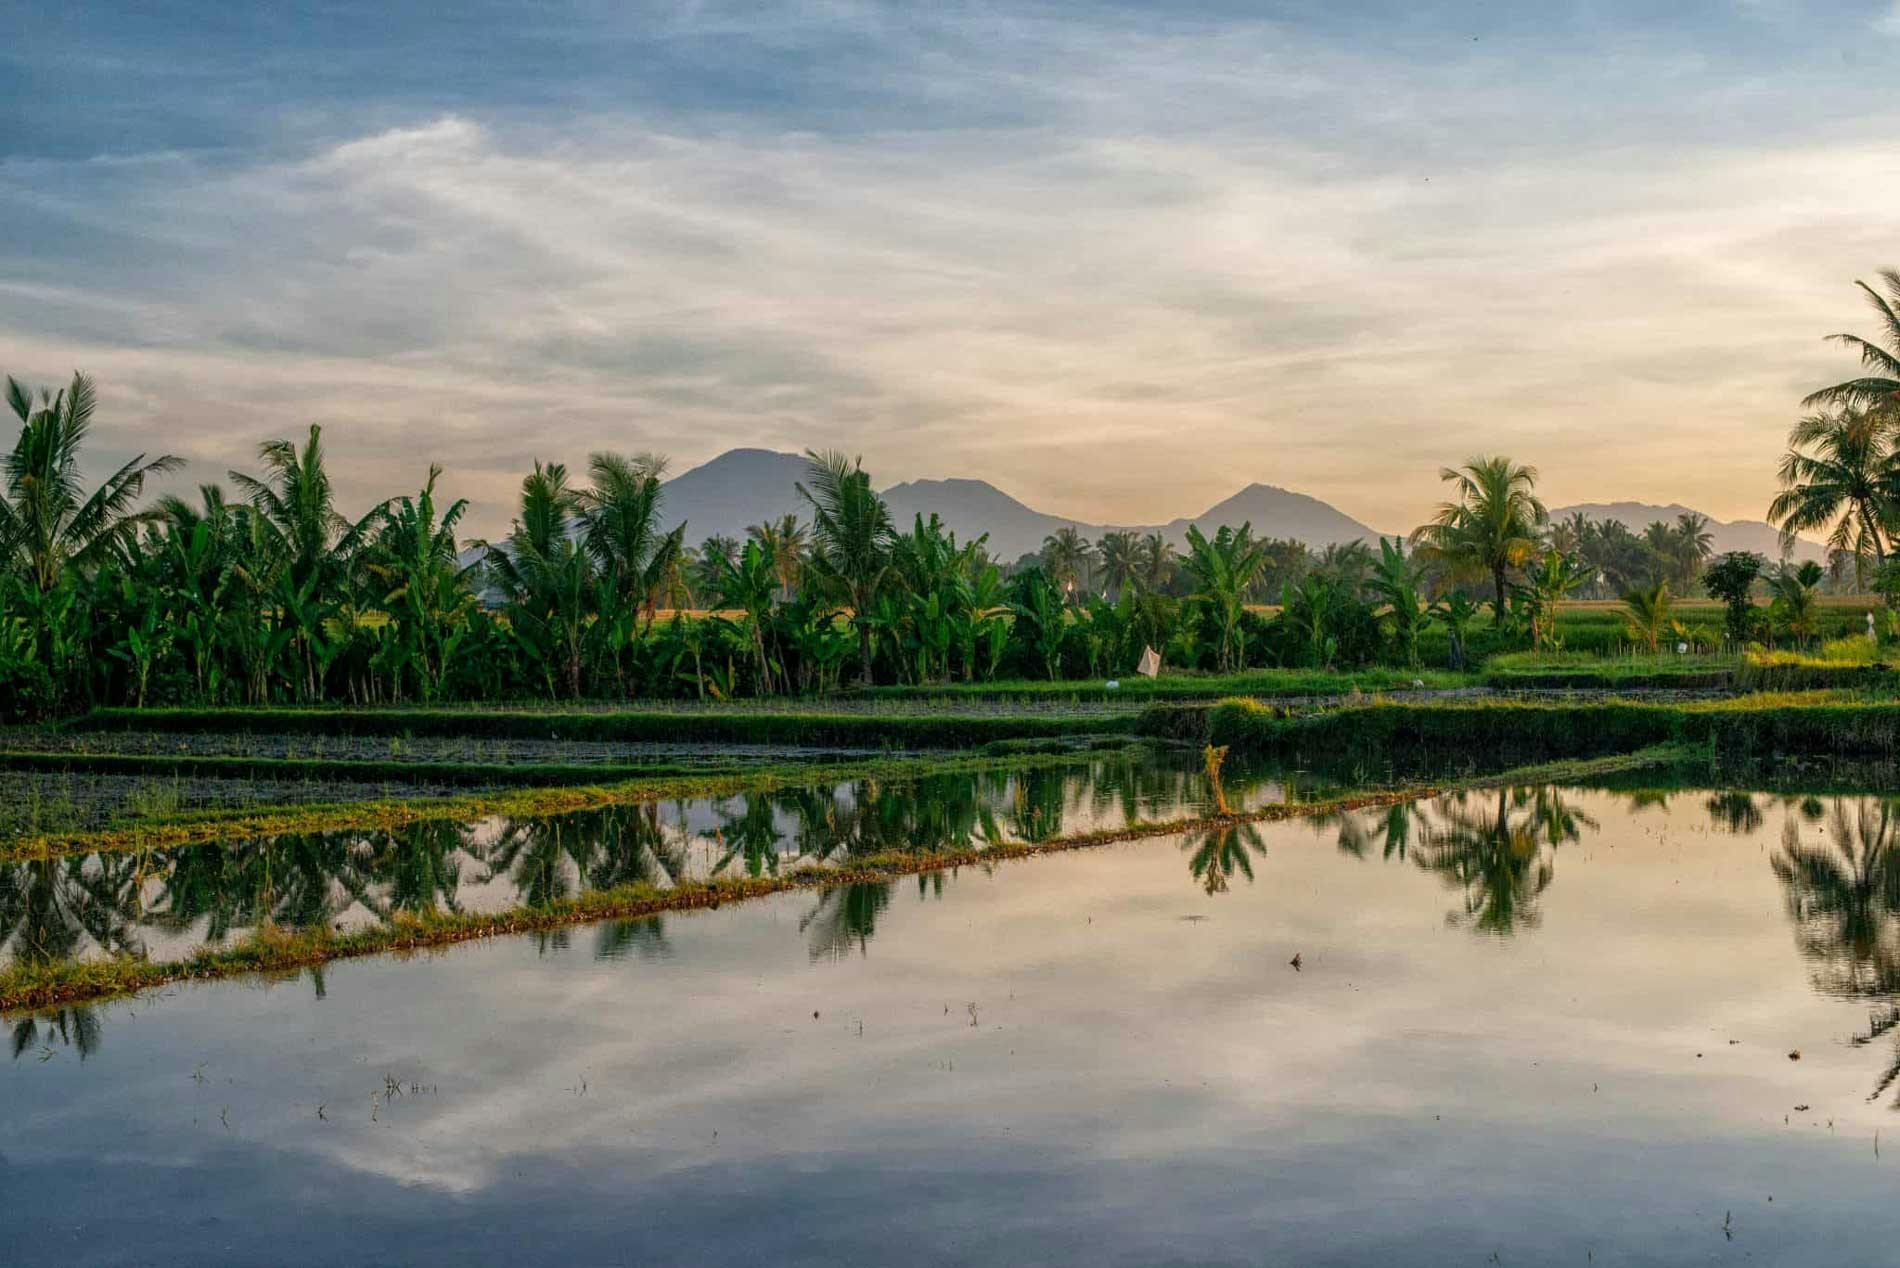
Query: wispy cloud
x,y
1119,266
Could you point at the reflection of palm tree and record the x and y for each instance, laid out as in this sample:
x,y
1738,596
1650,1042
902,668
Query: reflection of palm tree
x,y
844,916
1035,813
751,833
1393,828
76,1028
49,908
1497,855
1222,850
544,858
418,864
645,938
1844,899
1735,811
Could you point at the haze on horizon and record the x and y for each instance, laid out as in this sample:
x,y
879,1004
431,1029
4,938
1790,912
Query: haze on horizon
x,y
1118,260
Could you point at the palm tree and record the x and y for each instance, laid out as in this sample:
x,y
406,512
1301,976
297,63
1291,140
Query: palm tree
x,y
1066,555
1795,605
1157,561
48,523
1839,471
1696,541
298,503
788,541
619,520
1646,609
1546,586
546,576
1121,554
851,538
1395,581
1881,389
1568,535
1492,525
1224,568
424,583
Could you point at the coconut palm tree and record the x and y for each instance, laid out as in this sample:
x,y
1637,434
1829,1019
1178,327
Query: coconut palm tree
x,y
423,583
1066,556
1395,582
1795,603
851,539
1224,567
1157,561
297,502
1839,474
1879,390
1568,535
1646,610
1547,585
1695,540
788,541
1490,527
619,521
547,577
48,522
1121,555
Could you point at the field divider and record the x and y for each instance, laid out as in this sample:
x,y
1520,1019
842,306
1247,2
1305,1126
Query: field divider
x,y
236,824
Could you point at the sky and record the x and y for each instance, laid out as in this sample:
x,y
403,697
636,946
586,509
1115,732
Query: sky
x,y
1118,259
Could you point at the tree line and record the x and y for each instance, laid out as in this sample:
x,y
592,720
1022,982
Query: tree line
x,y
269,593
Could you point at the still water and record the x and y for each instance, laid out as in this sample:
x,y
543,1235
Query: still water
x,y
1533,1026
165,903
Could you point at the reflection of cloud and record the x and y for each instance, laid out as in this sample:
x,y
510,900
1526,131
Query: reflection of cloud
x,y
1112,1034
1116,230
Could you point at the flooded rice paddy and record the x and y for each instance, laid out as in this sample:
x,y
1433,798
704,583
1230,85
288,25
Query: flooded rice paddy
x,y
1532,1025
168,902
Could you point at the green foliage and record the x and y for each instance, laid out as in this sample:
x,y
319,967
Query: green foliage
x,y
1732,580
1646,612
1491,525
1224,568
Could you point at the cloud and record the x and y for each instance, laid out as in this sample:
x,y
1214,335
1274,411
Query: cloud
x,y
1173,258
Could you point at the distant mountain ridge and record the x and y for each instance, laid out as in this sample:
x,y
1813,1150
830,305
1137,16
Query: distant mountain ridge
x,y
743,487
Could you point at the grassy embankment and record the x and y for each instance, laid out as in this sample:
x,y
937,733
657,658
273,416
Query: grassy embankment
x,y
1397,733
735,725
278,951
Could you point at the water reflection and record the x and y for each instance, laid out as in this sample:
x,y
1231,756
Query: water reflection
x,y
1844,896
1221,851
1494,847
45,1033
172,901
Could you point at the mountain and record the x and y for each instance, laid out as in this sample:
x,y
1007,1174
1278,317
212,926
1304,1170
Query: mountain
x,y
734,491
1276,512
970,507
742,487
1756,535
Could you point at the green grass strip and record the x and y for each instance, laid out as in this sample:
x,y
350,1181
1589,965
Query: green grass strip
x,y
628,726
351,770
237,823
